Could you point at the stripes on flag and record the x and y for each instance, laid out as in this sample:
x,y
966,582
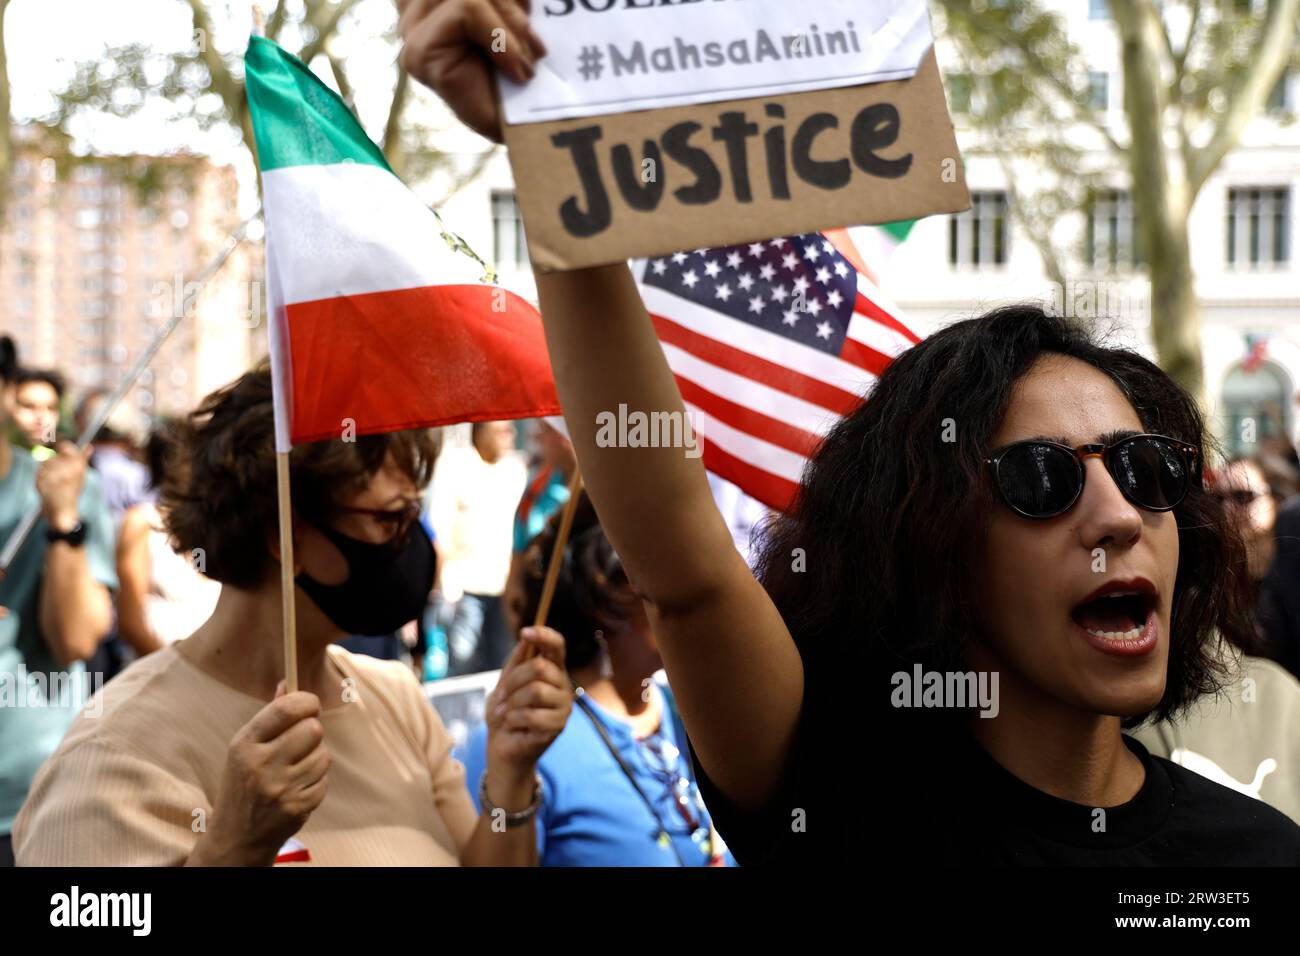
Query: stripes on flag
x,y
771,343
378,320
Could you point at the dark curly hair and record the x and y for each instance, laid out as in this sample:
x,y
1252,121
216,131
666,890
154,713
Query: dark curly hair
x,y
219,488
592,593
893,512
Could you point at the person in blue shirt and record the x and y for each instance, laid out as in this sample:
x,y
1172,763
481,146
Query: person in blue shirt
x,y
55,602
618,788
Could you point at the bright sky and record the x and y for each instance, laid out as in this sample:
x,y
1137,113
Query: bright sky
x,y
46,38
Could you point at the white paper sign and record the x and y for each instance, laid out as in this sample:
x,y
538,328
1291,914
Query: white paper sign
x,y
616,56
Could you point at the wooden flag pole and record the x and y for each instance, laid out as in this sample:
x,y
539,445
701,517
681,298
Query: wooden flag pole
x,y
557,550
286,573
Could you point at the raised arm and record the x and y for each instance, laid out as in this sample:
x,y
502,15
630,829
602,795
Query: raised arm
x,y
733,665
734,668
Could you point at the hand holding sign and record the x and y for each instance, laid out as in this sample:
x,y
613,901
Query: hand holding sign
x,y
600,186
454,46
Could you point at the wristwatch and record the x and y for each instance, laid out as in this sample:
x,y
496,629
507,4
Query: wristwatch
x,y
512,819
74,536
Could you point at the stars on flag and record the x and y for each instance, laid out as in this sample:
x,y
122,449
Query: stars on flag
x,y
772,285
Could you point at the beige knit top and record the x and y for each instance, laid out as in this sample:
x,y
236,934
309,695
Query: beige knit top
x,y
133,781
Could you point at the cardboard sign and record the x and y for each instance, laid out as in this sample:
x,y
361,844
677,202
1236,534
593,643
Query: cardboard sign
x,y
603,189
616,56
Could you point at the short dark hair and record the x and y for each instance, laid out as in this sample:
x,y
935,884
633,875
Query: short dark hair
x,y
892,511
8,359
50,377
592,593
219,487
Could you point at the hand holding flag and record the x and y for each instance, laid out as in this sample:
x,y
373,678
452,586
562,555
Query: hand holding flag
x,y
378,321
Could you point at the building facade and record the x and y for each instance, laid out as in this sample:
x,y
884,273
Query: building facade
x,y
92,265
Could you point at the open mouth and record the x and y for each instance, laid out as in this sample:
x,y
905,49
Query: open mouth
x,y
1119,615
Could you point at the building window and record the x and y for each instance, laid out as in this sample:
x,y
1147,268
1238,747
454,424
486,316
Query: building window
x,y
1099,90
978,237
509,246
1111,239
1259,226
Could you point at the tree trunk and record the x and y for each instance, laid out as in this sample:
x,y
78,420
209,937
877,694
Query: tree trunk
x,y
1160,195
1175,316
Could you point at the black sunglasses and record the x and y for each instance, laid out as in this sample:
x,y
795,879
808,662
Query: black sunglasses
x,y
1042,479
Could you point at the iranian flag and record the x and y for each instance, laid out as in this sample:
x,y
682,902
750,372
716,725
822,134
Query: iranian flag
x,y
380,318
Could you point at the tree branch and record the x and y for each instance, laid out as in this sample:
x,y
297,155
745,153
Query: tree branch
x,y
1277,37
341,78
275,22
325,27
464,179
1180,60
392,145
224,83
1039,236
1040,70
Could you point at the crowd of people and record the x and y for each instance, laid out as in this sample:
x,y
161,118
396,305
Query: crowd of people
x,y
181,644
695,697
144,568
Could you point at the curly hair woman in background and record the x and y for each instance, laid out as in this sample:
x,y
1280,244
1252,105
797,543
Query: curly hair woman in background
x,y
195,757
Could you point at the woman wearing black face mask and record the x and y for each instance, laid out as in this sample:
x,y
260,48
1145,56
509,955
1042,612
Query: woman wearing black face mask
x,y
182,760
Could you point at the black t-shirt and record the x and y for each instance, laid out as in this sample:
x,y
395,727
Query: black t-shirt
x,y
912,787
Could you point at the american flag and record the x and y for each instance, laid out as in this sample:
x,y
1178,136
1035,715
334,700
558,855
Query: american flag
x,y
770,343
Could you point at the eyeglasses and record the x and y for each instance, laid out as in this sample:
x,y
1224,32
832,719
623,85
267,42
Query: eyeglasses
x,y
1042,479
397,521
